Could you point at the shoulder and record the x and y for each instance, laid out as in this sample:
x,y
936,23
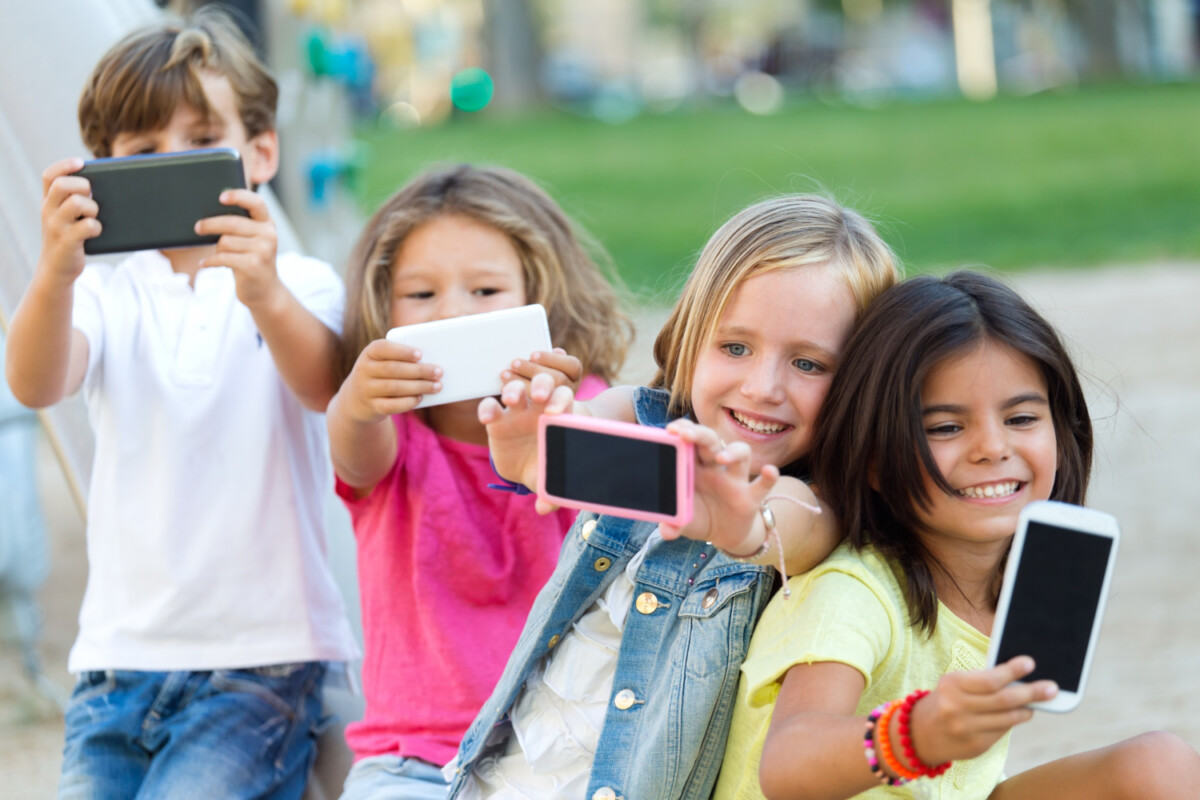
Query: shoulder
x,y
650,405
301,270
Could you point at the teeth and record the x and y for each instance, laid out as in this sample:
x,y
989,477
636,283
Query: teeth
x,y
758,427
990,490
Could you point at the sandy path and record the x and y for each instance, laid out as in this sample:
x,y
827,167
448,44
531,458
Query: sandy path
x,y
1134,330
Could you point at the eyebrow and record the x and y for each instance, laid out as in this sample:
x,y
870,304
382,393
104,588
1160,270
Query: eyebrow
x,y
1020,399
738,331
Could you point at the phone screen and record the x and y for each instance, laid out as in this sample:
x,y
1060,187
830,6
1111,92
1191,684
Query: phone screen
x,y
610,470
1054,601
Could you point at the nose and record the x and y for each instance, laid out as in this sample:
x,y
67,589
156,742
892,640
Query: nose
x,y
762,384
450,305
990,443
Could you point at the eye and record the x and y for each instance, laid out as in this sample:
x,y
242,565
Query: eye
x,y
204,141
735,349
807,365
488,292
943,429
1023,420
425,295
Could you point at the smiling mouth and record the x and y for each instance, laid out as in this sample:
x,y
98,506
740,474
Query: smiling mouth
x,y
758,425
991,490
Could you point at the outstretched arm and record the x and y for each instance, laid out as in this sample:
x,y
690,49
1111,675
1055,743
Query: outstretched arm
x,y
46,358
814,746
387,379
305,350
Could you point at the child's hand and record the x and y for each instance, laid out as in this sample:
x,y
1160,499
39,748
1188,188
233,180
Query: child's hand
x,y
969,711
726,502
387,379
565,369
247,246
512,423
68,218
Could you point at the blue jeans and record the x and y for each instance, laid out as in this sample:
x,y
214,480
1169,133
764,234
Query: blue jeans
x,y
394,778
227,733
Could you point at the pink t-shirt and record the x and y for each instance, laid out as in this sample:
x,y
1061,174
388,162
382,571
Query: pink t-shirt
x,y
448,570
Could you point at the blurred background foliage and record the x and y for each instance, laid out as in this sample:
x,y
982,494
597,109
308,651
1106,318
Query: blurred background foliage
x,y
1012,133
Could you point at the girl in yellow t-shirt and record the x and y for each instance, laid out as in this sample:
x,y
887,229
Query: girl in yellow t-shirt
x,y
955,405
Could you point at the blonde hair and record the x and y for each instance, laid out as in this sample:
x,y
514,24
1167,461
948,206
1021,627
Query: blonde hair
x,y
789,232
141,80
582,306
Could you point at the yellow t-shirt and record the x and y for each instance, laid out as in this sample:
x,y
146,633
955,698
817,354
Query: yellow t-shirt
x,y
851,609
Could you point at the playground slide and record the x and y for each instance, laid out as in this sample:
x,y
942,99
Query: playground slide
x,y
47,49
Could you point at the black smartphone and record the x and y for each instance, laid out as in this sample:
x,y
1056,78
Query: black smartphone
x,y
1053,595
153,202
617,468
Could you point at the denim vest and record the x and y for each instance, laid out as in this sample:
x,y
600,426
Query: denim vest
x,y
677,670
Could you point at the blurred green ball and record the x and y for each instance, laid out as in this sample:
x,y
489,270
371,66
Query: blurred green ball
x,y
471,89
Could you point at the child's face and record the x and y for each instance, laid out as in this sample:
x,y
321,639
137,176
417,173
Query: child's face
x,y
188,130
764,374
452,266
987,419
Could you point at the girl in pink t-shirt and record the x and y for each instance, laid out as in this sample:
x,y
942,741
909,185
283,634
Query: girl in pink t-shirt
x,y
448,568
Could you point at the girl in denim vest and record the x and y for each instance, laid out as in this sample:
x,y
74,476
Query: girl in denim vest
x,y
956,406
623,680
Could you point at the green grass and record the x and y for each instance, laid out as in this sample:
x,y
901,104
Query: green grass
x,y
1073,179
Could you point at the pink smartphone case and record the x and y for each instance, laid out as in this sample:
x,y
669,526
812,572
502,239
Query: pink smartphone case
x,y
684,455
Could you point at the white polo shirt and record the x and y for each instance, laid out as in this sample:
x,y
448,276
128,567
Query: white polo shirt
x,y
205,535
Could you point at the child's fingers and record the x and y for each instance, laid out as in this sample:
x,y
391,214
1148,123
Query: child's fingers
x,y
558,360
514,395
234,225
541,386
58,169
385,350
251,201
561,400
544,506
489,410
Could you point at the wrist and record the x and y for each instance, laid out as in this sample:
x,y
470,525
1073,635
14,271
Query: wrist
x,y
747,550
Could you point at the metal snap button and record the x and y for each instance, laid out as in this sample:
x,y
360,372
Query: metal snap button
x,y
710,597
604,793
553,641
647,603
624,699
602,564
586,530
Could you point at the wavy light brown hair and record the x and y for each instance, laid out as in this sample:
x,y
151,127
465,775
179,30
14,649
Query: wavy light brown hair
x,y
801,231
871,431
560,272
141,80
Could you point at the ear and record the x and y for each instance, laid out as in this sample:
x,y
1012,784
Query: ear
x,y
263,160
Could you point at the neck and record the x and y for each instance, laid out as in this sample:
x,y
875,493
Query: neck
x,y
186,260
458,421
966,581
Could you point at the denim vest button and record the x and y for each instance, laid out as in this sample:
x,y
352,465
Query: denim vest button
x,y
586,530
647,603
604,793
624,699
710,597
553,641
602,564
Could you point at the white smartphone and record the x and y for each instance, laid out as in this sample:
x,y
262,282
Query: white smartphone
x,y
473,350
1052,599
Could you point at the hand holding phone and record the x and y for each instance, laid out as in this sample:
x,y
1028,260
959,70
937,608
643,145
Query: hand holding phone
x,y
68,218
1053,596
473,351
618,468
153,202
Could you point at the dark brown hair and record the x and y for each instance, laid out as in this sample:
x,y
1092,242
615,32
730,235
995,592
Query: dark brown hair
x,y
141,80
584,314
871,429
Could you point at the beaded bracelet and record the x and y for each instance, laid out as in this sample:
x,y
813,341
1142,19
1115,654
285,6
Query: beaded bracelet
x,y
886,753
905,727
869,749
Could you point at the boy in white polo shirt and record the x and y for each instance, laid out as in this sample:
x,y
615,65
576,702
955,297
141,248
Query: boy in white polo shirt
x,y
210,610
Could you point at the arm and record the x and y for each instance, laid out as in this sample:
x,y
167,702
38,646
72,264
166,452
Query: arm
x,y
46,358
512,421
304,349
387,379
814,746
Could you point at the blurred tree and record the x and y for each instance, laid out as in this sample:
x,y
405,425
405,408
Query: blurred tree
x,y
1097,20
514,52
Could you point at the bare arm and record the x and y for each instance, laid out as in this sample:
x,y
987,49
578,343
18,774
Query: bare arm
x,y
387,379
305,350
46,358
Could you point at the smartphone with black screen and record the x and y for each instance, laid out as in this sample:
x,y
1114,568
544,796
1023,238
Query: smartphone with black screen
x,y
618,468
1053,595
153,202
